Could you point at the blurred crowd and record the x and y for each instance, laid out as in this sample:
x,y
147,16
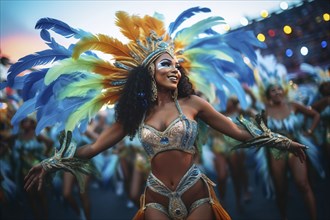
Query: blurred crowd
x,y
124,167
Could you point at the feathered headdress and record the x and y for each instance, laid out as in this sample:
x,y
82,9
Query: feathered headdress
x,y
269,71
80,82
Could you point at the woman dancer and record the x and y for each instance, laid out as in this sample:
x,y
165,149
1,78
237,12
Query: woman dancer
x,y
234,160
155,100
285,116
27,151
281,117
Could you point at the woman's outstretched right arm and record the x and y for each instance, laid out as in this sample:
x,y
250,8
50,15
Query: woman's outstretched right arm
x,y
108,138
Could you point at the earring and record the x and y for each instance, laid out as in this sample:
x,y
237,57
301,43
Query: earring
x,y
153,90
151,70
175,94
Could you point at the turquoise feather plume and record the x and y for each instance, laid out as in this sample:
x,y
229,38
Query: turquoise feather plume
x,y
188,35
184,16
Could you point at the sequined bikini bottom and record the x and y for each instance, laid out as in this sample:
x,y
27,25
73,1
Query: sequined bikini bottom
x,y
176,209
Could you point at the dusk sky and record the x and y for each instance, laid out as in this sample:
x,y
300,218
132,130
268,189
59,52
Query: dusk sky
x,y
18,18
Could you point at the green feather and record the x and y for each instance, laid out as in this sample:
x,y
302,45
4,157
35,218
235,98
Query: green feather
x,y
81,88
88,110
68,66
203,86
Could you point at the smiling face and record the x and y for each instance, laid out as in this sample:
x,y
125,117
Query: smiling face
x,y
275,93
167,75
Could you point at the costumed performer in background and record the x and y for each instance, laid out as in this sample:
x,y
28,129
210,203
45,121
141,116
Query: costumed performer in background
x,y
285,117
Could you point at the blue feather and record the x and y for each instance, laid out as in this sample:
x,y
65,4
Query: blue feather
x,y
27,108
60,27
83,125
51,115
216,75
45,35
64,80
51,110
29,61
19,82
235,87
29,89
244,42
184,16
245,74
223,99
206,42
37,86
210,31
313,153
44,95
3,85
48,115
234,49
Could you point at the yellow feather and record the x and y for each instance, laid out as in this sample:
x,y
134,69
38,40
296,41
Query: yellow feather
x,y
109,70
86,64
155,25
138,22
101,43
126,25
111,95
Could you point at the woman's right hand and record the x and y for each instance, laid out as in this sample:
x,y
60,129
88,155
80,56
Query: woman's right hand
x,y
298,150
36,177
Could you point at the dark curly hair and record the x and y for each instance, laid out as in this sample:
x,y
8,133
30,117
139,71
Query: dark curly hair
x,y
136,97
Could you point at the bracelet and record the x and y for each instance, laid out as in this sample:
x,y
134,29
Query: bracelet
x,y
287,143
262,136
64,159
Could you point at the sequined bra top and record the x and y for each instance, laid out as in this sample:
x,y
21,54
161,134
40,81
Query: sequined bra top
x,y
179,135
287,125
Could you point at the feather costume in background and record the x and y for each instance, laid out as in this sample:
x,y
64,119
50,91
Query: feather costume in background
x,y
73,83
269,72
312,90
308,91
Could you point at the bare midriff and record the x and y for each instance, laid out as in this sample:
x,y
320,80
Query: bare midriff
x,y
169,167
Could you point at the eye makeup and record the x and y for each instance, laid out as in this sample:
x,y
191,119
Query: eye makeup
x,y
167,64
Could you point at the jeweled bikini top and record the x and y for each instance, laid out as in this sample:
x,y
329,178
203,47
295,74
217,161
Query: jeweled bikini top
x,y
179,135
287,125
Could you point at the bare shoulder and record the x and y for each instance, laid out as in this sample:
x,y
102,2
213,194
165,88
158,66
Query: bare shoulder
x,y
193,105
295,104
194,101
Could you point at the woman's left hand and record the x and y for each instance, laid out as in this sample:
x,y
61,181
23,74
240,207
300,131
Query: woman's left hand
x,y
298,150
35,177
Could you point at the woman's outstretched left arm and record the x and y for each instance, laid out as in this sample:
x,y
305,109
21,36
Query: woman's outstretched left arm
x,y
221,123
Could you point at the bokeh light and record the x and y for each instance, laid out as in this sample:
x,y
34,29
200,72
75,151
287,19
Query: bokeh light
x,y
304,51
226,27
244,21
264,13
271,33
324,44
288,52
261,37
284,5
287,29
